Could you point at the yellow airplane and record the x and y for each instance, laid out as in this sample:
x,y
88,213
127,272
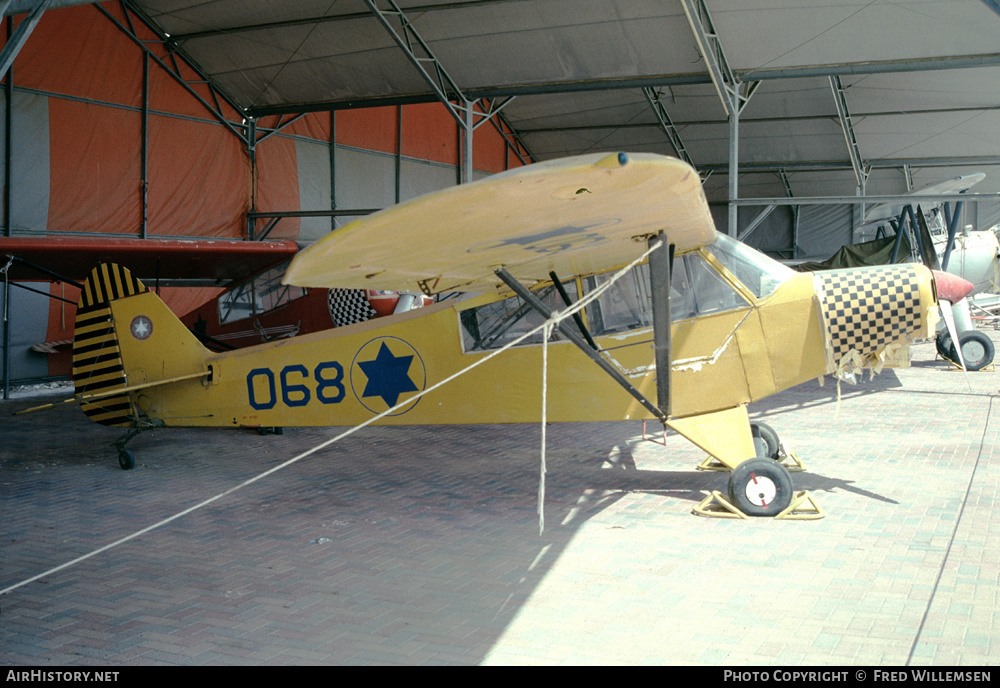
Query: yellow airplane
x,y
726,324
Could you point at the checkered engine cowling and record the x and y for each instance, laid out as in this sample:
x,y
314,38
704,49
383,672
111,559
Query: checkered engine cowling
x,y
869,308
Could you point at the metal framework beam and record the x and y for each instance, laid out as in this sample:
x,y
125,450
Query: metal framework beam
x,y
11,7
847,126
733,92
173,67
20,36
827,165
654,97
859,200
444,87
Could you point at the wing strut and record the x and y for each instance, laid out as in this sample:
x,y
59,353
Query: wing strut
x,y
576,316
580,342
661,263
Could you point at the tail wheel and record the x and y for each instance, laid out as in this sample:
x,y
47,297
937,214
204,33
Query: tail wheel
x,y
126,459
760,487
766,440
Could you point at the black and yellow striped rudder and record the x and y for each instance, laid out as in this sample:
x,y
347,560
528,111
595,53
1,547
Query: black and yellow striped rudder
x,y
97,362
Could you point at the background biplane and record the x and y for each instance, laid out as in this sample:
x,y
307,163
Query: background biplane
x,y
906,232
705,327
260,309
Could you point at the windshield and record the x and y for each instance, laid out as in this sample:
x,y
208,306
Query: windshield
x,y
758,273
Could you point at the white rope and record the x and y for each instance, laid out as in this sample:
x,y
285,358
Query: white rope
x,y
556,318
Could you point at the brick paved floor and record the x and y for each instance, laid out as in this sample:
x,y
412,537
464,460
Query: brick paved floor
x,y
421,545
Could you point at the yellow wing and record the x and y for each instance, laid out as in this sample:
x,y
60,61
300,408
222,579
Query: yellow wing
x,y
575,216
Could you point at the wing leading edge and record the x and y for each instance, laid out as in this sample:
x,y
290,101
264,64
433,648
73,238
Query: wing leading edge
x,y
573,216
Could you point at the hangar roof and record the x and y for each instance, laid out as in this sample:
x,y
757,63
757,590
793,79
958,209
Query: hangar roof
x,y
917,79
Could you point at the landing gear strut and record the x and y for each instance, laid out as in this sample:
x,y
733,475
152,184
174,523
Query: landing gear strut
x,y
126,459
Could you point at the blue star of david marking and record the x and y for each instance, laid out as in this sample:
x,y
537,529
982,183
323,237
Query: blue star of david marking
x,y
388,376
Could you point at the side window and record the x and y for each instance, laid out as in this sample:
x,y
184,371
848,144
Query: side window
x,y
624,306
712,294
495,324
695,289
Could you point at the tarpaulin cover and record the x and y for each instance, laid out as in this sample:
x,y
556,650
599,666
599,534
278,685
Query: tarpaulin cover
x,y
875,252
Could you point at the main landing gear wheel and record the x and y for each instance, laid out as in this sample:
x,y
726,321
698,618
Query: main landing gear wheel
x,y
760,487
766,441
126,459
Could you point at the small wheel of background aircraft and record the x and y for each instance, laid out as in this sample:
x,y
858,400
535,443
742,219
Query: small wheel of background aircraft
x,y
705,327
976,347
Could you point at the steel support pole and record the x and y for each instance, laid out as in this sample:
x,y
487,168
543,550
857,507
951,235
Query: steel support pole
x,y
333,167
468,129
734,172
251,141
6,335
8,125
660,264
398,160
574,336
144,173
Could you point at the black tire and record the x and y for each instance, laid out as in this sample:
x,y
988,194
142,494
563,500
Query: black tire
x,y
126,459
765,433
760,487
977,349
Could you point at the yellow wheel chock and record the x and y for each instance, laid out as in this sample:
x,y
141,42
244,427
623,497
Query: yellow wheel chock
x,y
802,508
953,366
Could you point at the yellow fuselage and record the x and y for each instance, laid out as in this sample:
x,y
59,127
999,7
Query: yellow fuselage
x,y
346,375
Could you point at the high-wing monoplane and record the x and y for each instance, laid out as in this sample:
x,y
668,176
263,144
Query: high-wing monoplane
x,y
700,327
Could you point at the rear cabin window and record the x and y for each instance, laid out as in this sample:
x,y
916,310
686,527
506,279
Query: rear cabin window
x,y
496,324
258,295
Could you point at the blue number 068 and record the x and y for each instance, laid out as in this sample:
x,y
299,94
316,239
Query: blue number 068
x,y
329,386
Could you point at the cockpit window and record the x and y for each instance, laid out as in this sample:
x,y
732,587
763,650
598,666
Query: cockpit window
x,y
695,289
758,273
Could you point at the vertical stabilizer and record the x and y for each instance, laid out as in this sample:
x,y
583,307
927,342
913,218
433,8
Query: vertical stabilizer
x,y
97,361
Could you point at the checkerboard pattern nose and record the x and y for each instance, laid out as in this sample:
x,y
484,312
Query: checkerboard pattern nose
x,y
349,306
868,308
